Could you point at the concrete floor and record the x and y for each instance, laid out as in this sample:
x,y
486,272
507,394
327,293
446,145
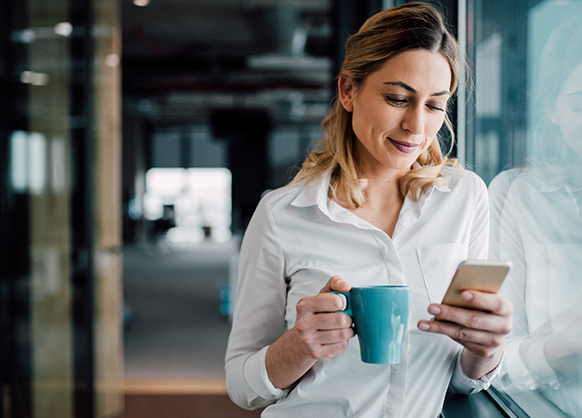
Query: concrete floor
x,y
176,331
176,336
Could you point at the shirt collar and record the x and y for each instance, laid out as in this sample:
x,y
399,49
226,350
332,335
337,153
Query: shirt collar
x,y
315,193
440,188
549,187
551,182
412,210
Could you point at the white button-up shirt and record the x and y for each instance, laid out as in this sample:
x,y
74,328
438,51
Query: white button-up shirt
x,y
297,240
538,225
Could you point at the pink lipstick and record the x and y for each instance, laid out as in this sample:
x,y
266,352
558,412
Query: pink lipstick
x,y
405,147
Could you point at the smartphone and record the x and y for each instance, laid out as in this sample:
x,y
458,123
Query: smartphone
x,y
482,275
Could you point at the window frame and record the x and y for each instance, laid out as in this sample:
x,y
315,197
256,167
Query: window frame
x,y
526,403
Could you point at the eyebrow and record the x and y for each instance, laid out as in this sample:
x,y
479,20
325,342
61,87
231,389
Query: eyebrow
x,y
412,90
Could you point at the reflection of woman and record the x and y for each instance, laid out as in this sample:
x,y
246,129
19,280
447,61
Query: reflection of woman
x,y
539,218
375,205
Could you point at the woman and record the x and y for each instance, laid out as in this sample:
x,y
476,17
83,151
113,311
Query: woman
x,y
544,350
375,205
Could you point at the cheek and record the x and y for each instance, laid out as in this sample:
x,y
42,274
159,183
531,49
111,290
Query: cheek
x,y
366,119
572,136
570,125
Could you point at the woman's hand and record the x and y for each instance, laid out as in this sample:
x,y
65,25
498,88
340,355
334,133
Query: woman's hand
x,y
480,330
319,333
322,330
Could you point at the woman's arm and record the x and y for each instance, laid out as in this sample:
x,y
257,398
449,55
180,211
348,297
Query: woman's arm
x,y
259,311
481,331
262,359
319,333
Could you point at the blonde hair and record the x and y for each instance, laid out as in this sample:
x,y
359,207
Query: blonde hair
x,y
409,27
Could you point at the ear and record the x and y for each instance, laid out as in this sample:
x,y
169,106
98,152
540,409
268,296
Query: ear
x,y
346,90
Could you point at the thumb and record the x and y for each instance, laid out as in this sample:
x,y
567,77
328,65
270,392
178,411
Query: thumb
x,y
336,283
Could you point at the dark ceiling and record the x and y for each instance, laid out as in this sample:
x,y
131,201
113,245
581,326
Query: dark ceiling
x,y
184,57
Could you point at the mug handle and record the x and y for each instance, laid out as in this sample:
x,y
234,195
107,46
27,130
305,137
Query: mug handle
x,y
347,308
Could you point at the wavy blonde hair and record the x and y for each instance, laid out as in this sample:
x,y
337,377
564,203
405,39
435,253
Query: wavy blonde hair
x,y
409,27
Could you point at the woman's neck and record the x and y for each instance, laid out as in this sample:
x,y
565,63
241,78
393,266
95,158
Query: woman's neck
x,y
383,204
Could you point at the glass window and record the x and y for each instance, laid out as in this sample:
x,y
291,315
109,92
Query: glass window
x,y
525,139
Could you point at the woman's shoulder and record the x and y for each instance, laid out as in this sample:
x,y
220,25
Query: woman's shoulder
x,y
460,178
282,196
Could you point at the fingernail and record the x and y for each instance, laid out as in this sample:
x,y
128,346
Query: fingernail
x,y
467,296
434,310
344,302
423,326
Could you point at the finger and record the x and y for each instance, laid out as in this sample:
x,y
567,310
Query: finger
x,y
335,336
326,351
471,318
324,322
322,303
491,302
336,283
463,335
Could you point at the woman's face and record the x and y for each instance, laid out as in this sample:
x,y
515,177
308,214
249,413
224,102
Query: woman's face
x,y
398,110
568,113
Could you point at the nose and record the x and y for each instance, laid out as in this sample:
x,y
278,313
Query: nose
x,y
413,120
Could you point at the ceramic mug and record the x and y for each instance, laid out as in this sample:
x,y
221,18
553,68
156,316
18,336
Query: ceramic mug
x,y
380,314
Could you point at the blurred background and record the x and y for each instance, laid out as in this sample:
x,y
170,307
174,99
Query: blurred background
x,y
137,137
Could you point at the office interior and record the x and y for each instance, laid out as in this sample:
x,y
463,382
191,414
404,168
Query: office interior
x,y
136,138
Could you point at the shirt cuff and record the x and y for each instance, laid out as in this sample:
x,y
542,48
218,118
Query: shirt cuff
x,y
465,385
255,372
537,362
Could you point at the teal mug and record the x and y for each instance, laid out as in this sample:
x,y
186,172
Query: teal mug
x,y
380,314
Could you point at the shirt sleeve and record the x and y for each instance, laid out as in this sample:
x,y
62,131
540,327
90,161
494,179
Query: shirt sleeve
x,y
258,314
534,371
463,384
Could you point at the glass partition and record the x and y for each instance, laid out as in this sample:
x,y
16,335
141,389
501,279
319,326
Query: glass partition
x,y
60,262
527,144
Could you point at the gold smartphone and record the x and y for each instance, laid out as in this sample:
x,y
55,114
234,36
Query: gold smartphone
x,y
482,275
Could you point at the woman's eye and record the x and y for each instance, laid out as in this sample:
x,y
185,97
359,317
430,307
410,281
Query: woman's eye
x,y
396,101
438,107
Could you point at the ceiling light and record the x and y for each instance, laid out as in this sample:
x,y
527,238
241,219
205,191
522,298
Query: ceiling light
x,y
112,60
63,28
39,79
26,76
141,3
25,36
36,79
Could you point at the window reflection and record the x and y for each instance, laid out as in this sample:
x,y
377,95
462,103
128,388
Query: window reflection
x,y
29,160
19,161
536,219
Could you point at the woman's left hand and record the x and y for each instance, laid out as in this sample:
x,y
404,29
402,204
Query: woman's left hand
x,y
480,330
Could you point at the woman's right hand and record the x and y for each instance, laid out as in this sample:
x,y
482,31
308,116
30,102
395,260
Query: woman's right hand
x,y
320,332
324,332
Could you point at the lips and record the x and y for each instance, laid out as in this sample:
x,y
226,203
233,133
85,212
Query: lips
x,y
405,147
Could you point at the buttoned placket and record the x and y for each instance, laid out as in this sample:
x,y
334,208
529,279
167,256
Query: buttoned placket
x,y
409,214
